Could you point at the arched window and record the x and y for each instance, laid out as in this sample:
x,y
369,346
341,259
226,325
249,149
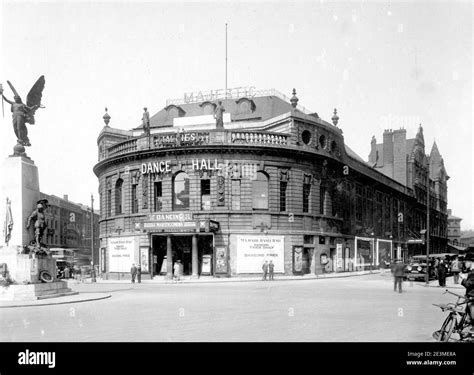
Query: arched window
x,y
181,191
260,192
118,197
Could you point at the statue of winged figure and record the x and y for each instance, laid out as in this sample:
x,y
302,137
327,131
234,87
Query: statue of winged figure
x,y
24,113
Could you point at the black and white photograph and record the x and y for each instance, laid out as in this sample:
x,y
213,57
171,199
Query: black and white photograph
x,y
237,173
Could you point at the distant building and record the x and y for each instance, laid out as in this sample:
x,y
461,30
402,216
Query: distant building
x,y
404,160
69,227
454,228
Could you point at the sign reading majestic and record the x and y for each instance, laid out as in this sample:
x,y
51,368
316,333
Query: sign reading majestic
x,y
234,93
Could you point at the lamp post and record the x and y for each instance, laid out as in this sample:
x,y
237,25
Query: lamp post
x,y
92,238
427,276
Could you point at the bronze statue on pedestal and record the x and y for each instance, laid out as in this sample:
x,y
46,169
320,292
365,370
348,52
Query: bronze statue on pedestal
x,y
24,113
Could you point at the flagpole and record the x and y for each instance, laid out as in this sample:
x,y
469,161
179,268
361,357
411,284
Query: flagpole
x,y
226,61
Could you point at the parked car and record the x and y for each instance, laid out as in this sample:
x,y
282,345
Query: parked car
x,y
416,268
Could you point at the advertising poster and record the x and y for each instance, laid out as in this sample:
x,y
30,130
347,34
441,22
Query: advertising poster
x,y
384,251
254,250
221,260
298,259
363,253
339,259
121,254
144,259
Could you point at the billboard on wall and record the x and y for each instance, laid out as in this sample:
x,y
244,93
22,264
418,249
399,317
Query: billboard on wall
x,y
254,250
121,253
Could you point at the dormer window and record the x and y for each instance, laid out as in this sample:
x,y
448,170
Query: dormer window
x,y
208,108
174,111
245,106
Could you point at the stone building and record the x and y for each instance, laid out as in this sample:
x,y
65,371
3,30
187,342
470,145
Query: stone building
x,y
69,227
276,183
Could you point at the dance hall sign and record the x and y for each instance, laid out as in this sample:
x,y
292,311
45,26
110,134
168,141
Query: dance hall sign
x,y
121,253
254,250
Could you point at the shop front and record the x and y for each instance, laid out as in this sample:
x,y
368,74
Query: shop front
x,y
180,237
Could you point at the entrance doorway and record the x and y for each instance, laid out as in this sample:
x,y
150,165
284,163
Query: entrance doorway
x,y
181,248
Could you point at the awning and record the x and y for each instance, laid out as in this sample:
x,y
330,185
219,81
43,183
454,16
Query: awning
x,y
456,249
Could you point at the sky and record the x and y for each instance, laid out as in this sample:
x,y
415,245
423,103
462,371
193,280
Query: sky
x,y
382,64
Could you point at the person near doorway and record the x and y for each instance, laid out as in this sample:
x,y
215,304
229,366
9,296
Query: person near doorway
x,y
442,273
328,266
139,274
265,270
455,269
66,272
271,268
177,270
435,266
133,272
398,274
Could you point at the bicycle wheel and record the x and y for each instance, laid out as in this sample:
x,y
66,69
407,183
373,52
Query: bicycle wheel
x,y
447,328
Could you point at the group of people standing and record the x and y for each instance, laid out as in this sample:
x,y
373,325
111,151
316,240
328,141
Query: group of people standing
x,y
441,268
268,268
136,273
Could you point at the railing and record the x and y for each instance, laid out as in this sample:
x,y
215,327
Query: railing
x,y
261,138
123,148
174,140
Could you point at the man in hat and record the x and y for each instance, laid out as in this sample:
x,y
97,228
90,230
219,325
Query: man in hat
x,y
398,274
468,283
133,272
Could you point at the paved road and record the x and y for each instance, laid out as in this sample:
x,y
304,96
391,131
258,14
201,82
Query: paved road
x,y
356,309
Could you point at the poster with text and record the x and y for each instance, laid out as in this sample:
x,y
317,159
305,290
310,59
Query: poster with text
x,y
254,250
121,254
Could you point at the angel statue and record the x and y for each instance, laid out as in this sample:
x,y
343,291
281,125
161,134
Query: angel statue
x,y
24,113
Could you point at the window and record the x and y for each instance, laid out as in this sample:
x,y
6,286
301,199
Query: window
x,y
260,191
118,197
306,196
283,186
181,191
306,137
134,199
235,187
205,194
158,205
322,193
109,202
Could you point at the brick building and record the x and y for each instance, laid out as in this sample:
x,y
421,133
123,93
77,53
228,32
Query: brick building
x,y
405,161
277,182
69,227
454,228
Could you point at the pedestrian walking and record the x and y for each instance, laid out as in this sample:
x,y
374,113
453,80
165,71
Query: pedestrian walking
x,y
66,272
133,272
455,269
468,283
271,267
265,270
442,273
139,274
177,270
398,275
435,267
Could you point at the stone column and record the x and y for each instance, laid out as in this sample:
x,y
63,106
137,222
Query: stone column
x,y
20,184
195,257
169,259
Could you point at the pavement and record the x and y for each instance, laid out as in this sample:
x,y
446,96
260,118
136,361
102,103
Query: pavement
x,y
93,296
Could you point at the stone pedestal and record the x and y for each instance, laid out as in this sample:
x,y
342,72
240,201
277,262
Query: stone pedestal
x,y
26,268
35,291
20,184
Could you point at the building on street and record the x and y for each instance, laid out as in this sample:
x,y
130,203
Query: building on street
x,y
272,181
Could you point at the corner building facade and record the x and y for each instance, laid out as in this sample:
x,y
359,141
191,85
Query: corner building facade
x,y
275,183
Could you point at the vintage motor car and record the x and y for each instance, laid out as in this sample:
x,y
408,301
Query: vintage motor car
x,y
416,268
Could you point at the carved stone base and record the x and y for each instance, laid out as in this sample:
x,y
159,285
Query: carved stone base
x,y
35,291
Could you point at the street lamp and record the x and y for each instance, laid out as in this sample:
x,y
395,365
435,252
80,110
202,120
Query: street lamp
x,y
92,238
427,276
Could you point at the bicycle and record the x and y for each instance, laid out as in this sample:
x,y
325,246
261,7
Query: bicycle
x,y
456,324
